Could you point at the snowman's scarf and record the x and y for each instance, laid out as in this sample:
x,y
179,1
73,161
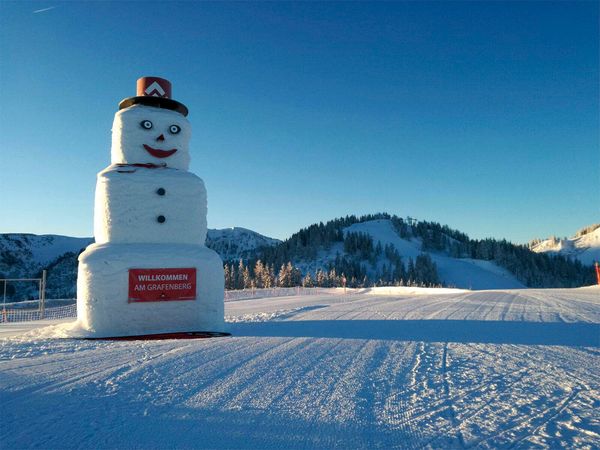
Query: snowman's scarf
x,y
146,166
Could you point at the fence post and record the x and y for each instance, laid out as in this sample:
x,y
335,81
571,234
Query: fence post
x,y
4,316
43,295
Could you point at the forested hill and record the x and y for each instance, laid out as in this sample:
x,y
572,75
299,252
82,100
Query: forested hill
x,y
387,249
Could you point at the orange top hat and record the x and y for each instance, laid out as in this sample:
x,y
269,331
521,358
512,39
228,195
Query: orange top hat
x,y
154,91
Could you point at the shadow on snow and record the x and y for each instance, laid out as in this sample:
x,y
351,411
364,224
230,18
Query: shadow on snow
x,y
463,331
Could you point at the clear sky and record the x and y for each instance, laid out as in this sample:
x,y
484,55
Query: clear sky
x,y
482,116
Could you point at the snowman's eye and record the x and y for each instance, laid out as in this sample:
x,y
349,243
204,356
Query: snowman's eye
x,y
146,124
174,129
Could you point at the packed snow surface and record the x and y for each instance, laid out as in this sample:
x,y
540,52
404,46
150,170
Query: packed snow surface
x,y
389,369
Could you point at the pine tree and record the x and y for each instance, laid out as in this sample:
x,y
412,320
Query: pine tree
x,y
259,277
270,276
284,278
248,281
307,281
232,277
333,278
240,282
295,275
227,275
321,278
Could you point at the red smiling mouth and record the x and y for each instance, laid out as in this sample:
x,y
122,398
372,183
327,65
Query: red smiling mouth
x,y
159,153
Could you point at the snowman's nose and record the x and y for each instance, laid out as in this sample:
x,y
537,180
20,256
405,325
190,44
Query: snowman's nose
x,y
161,137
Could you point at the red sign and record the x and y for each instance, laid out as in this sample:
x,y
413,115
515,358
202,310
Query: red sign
x,y
162,285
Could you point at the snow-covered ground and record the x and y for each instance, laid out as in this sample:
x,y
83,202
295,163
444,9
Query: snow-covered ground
x,y
392,369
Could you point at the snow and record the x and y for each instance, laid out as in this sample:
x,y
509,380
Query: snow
x,y
129,137
127,206
407,290
45,247
463,273
383,231
474,274
454,369
585,248
237,242
51,245
148,218
103,287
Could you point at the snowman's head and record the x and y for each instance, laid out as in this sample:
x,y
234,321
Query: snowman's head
x,y
147,134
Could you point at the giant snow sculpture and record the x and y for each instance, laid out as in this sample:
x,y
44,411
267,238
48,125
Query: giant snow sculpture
x,y
148,271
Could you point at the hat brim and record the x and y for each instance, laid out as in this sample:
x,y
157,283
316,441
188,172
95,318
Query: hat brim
x,y
158,102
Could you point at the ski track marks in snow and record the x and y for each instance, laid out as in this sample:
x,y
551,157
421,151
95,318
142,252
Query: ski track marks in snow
x,y
304,384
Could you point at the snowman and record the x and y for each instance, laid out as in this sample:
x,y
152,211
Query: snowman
x,y
148,271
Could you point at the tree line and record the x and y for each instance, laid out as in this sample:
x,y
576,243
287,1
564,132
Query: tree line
x,y
260,275
360,254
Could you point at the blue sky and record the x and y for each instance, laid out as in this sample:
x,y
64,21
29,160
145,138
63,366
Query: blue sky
x,y
483,116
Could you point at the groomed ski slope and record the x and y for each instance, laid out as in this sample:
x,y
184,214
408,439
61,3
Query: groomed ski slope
x,y
379,369
461,272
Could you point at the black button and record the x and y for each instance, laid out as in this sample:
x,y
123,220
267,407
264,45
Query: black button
x,y
161,219
161,191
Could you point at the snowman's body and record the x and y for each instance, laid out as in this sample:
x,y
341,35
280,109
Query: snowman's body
x,y
150,217
130,199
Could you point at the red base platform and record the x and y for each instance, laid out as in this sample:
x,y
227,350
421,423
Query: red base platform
x,y
155,337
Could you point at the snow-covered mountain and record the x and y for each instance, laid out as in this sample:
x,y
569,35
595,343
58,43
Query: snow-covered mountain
x,y
235,243
460,272
25,255
41,249
584,246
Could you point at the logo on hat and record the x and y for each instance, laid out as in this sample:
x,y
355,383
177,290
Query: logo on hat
x,y
154,91
154,87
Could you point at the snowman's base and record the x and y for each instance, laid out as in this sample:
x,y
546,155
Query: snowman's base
x,y
161,336
104,291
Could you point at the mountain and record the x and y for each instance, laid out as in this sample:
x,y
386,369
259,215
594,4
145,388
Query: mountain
x,y
235,243
380,265
584,246
381,249
26,255
38,249
460,272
